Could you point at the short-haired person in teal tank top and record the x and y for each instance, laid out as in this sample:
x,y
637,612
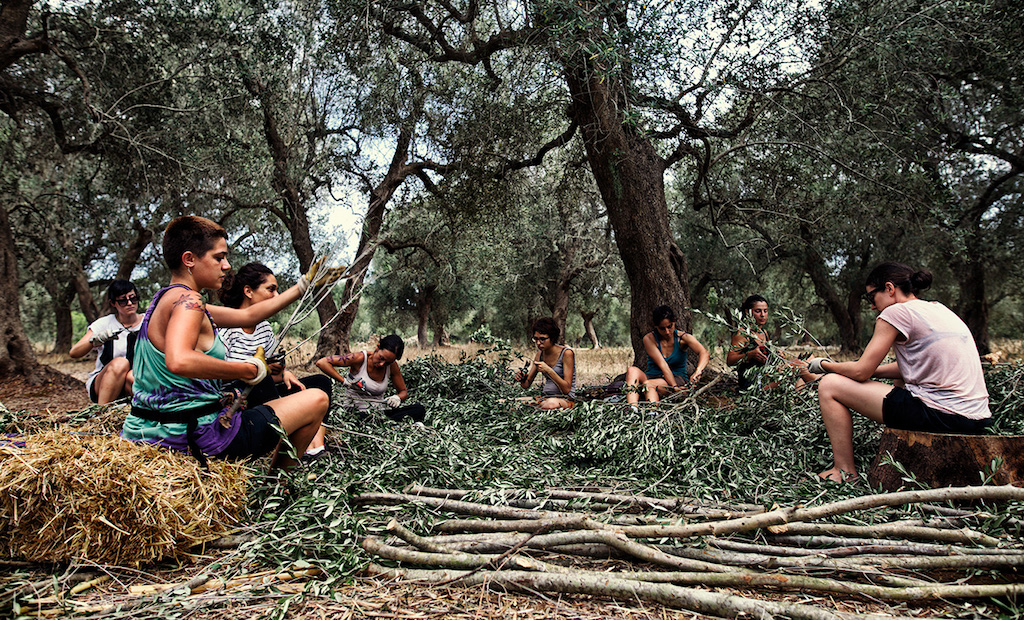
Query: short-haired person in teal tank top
x,y
667,350
179,361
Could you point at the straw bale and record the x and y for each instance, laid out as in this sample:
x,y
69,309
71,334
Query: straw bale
x,y
67,496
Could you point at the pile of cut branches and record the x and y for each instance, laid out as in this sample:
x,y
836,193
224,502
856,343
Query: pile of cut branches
x,y
678,552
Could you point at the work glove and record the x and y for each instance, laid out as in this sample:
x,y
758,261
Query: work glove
x,y
260,362
104,336
318,277
393,401
814,365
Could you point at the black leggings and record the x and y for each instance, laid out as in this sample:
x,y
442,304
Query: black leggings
x,y
416,412
266,390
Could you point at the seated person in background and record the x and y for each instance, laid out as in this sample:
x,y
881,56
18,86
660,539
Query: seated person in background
x,y
254,283
748,347
113,338
369,375
179,362
939,385
666,349
556,362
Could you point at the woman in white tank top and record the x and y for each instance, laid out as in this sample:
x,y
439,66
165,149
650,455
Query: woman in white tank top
x,y
112,337
368,379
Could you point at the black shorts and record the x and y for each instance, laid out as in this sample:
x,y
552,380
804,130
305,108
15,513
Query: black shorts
x,y
903,410
266,390
95,398
256,435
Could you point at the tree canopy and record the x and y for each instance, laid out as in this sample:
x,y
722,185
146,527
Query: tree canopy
x,y
551,157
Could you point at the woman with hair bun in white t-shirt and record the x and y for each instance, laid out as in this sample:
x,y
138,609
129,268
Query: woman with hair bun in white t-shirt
x,y
939,385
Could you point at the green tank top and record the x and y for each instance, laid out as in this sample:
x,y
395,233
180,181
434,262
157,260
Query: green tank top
x,y
157,388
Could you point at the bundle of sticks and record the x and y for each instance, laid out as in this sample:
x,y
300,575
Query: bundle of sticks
x,y
542,541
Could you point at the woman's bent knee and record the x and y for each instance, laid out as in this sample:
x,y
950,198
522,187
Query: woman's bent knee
x,y
829,384
118,365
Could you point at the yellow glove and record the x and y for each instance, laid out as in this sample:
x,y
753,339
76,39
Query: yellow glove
x,y
316,277
260,362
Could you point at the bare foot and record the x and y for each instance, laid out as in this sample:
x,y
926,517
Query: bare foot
x,y
839,475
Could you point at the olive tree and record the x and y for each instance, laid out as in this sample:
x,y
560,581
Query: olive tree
x,y
640,85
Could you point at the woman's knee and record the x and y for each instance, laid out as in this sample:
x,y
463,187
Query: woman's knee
x,y
829,386
118,366
320,402
634,375
305,407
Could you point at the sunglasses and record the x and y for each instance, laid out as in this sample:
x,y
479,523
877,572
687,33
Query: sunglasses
x,y
869,297
124,301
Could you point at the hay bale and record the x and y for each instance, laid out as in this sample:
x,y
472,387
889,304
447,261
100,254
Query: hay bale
x,y
71,497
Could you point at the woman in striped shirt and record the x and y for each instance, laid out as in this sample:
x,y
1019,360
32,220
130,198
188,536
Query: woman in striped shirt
x,y
253,283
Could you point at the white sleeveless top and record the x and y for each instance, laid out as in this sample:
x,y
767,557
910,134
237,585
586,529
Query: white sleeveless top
x,y
369,386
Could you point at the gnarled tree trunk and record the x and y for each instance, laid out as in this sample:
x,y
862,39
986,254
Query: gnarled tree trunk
x,y
588,328
973,302
630,175
16,354
132,255
61,300
293,212
845,311
399,170
559,306
426,300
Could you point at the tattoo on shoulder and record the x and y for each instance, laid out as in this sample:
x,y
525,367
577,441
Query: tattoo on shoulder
x,y
342,360
188,303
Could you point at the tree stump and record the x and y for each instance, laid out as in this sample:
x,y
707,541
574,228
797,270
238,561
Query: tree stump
x,y
940,460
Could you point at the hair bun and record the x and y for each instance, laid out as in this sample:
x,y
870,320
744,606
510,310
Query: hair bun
x,y
921,280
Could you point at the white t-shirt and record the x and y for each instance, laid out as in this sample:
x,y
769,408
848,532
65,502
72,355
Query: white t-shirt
x,y
116,347
241,346
939,360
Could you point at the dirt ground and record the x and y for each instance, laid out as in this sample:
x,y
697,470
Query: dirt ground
x,y
52,397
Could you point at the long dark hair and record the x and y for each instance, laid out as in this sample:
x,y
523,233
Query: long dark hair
x,y
232,292
748,303
393,343
902,277
661,313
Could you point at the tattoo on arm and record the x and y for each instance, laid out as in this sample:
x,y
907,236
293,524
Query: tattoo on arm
x,y
341,360
189,303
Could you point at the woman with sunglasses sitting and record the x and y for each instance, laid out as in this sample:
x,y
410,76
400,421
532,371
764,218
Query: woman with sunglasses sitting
x,y
113,338
937,381
556,362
